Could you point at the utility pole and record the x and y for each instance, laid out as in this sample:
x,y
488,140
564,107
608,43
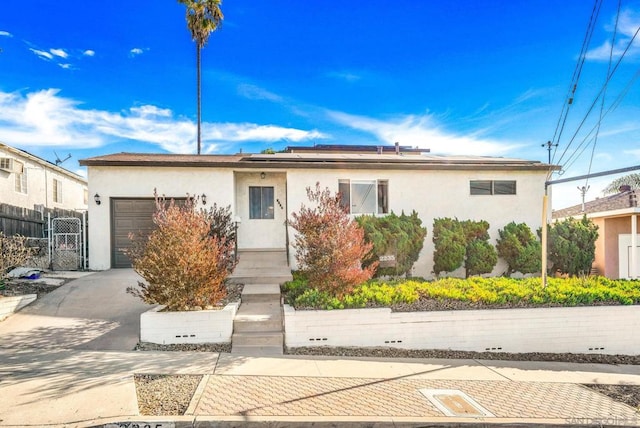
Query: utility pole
x,y
548,145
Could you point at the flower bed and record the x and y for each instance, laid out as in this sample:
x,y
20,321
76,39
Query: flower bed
x,y
584,329
207,326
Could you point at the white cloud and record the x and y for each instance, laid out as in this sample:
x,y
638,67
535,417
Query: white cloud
x,y
627,26
42,54
422,131
136,51
44,118
345,75
6,34
88,52
59,53
254,92
65,66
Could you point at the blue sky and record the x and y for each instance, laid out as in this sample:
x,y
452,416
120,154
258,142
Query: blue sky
x,y
457,77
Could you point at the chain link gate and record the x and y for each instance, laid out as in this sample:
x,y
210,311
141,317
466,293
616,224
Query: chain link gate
x,y
66,245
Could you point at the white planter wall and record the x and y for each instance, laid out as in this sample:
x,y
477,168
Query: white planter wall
x,y
599,329
11,304
166,328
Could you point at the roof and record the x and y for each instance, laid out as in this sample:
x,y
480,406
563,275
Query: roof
x,y
619,201
43,162
356,148
317,160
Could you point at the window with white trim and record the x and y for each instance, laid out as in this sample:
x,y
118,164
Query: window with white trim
x,y
57,191
21,180
364,196
492,187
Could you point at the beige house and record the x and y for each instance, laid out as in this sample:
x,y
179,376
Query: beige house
x,y
29,181
264,189
618,244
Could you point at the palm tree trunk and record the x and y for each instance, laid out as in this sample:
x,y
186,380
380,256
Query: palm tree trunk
x,y
199,95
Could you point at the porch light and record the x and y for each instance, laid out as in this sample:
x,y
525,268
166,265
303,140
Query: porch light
x,y
263,175
96,198
204,199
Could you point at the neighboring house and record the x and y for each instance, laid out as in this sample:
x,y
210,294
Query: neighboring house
x,y
264,189
29,181
618,243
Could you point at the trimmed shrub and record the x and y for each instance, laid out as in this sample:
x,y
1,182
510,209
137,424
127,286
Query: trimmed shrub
x,y
330,246
518,246
184,265
403,236
572,245
462,242
449,243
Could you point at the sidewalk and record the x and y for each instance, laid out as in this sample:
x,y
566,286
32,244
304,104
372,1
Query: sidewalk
x,y
89,388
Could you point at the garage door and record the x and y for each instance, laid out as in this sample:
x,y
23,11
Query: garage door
x,y
128,216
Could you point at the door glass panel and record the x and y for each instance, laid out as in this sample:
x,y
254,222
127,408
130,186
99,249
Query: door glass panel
x,y
261,202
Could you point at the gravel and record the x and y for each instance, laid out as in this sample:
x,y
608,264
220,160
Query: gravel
x,y
165,395
627,394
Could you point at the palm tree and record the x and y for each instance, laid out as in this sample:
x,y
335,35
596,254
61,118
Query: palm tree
x,y
632,180
203,18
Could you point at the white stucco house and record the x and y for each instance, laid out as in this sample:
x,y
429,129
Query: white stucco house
x,y
29,181
264,189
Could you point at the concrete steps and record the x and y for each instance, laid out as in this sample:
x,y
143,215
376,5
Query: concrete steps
x,y
261,266
258,327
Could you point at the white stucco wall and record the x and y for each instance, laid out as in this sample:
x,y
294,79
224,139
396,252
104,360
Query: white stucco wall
x,y
585,329
435,194
40,176
139,182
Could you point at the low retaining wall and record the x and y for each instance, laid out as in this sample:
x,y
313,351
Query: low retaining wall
x,y
593,329
166,328
11,304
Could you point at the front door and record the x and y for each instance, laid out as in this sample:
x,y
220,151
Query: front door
x,y
261,208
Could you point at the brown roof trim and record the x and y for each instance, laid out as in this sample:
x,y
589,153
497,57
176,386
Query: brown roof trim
x,y
316,161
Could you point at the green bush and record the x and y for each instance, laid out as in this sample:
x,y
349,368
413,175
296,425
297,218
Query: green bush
x,y
478,291
518,246
457,242
449,242
572,245
403,236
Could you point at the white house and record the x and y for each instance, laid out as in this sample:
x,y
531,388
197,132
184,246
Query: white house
x,y
264,189
28,181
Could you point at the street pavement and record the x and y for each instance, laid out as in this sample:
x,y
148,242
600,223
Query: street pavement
x,y
67,361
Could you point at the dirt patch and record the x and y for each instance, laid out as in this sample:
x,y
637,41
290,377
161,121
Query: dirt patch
x,y
20,287
627,394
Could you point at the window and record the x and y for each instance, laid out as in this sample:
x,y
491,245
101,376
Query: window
x,y
21,181
6,164
260,202
493,187
364,196
57,191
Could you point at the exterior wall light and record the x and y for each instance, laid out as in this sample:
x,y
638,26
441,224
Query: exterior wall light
x,y
96,198
263,175
204,199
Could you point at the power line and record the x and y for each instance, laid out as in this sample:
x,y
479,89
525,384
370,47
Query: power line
x,y
577,72
600,93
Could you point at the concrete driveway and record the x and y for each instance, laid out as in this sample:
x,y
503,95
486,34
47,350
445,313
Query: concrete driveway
x,y
93,312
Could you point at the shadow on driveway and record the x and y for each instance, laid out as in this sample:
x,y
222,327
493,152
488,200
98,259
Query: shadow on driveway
x,y
93,312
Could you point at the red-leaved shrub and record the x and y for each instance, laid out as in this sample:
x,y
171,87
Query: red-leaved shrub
x,y
329,245
184,264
